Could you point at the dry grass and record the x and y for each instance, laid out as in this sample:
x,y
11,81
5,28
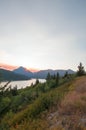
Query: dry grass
x,y
73,103
72,109
80,85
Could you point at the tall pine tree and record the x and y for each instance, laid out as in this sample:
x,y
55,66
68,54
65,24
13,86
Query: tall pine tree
x,y
81,70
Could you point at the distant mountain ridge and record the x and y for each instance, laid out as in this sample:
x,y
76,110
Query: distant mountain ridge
x,y
22,73
6,75
41,73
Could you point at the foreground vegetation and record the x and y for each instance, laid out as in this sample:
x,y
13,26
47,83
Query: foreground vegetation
x,y
58,104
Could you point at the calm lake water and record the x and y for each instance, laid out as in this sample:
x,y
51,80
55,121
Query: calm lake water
x,y
23,83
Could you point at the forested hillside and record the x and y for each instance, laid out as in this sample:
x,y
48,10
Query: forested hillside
x,y
6,75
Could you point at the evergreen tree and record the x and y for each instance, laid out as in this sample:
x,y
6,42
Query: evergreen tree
x,y
14,91
66,74
81,70
57,78
37,82
48,76
54,76
1,77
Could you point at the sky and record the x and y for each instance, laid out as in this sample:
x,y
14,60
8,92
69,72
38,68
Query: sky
x,y
43,34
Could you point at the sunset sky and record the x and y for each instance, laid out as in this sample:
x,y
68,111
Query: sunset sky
x,y
43,34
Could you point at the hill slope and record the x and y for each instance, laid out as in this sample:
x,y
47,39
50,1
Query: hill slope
x,y
71,113
63,106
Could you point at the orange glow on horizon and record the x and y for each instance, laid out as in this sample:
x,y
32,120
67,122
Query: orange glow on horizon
x,y
12,67
8,67
33,70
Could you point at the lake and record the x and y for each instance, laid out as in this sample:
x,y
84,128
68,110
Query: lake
x,y
23,83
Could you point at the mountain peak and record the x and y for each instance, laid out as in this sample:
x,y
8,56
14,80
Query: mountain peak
x,y
21,68
24,71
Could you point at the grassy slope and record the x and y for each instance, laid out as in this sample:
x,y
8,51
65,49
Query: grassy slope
x,y
61,108
71,114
